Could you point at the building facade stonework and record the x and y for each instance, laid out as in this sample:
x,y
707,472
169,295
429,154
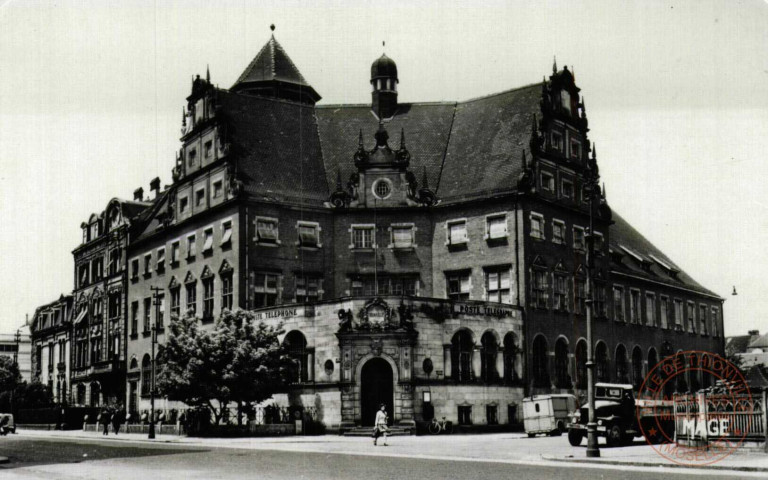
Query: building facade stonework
x,y
428,256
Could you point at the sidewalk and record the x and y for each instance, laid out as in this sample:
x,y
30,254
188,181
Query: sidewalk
x,y
501,447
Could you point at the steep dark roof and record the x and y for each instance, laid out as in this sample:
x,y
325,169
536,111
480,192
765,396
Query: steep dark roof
x,y
627,244
277,147
759,342
272,63
737,344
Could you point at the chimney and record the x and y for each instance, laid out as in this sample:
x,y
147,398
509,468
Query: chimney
x,y
138,194
154,186
753,334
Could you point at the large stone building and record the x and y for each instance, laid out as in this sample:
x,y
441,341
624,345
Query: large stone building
x,y
51,332
429,256
449,258
17,346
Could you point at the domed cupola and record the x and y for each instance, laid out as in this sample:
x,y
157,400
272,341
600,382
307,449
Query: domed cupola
x,y
384,87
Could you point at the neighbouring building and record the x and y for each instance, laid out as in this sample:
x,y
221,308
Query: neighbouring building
x,y
429,256
51,333
18,347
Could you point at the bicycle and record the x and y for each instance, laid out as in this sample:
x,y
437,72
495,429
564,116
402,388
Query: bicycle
x,y
436,426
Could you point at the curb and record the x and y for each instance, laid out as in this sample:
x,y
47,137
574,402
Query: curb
x,y
631,463
4,460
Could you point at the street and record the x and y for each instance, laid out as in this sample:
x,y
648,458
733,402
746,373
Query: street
x,y
38,456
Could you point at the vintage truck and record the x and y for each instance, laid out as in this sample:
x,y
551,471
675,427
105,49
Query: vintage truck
x,y
616,414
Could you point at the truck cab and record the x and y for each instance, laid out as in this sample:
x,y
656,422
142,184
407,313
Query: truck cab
x,y
615,416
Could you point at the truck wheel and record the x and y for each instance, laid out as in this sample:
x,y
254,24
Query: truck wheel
x,y
615,436
531,435
574,437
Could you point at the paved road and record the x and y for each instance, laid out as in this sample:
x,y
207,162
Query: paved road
x,y
38,458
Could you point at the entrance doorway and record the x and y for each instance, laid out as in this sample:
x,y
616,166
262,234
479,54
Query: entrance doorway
x,y
376,388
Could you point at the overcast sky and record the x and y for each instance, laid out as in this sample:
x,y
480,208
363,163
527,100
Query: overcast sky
x,y
676,93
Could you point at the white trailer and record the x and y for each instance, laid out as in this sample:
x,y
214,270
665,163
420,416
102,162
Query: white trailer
x,y
547,413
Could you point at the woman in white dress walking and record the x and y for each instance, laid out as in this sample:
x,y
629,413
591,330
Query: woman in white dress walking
x,y
380,425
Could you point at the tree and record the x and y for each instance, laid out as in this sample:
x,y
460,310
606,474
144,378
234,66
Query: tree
x,y
9,374
239,360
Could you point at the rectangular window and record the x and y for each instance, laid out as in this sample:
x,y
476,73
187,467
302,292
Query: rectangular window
x,y
226,232
135,269
207,240
176,302
147,264
634,306
703,319
114,307
678,314
265,289
459,285
496,227
402,236
200,198
160,260
362,236
578,238
147,313
540,289
84,272
192,156
192,297
491,415
387,285
650,309
266,230
218,189
160,321
561,293
599,243
183,205
308,289
191,246
465,415
309,234
226,291
175,252
566,189
600,309
98,267
558,232
618,304
134,318
580,292
114,261
208,148
457,232
547,182
208,298
557,141
691,317
575,149
715,321
537,226
497,285
664,310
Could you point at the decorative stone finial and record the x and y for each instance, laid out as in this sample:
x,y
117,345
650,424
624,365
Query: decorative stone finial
x,y
272,27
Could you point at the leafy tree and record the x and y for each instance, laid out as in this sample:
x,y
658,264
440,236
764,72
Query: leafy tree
x,y
9,374
239,360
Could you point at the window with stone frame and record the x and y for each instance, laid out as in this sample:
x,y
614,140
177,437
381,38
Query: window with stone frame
x,y
147,314
175,256
462,349
160,320
465,415
664,311
634,306
498,285
537,226
135,269
114,261
309,234
458,285
580,295
703,319
558,232
160,265
175,301
691,317
207,240
267,230
218,189
561,292
147,264
134,318
265,289
557,141
226,290
363,236
114,305
600,297
496,226
540,288
308,288
226,233
191,246
547,182
578,238
715,321
650,309
402,236
387,285
488,354
618,304
191,288
208,292
575,149
566,189
146,375
457,232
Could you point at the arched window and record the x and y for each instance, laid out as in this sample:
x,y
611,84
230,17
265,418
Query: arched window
x,y
562,377
511,353
637,367
146,375
622,364
488,358
461,357
134,363
540,364
601,363
296,345
581,364
95,391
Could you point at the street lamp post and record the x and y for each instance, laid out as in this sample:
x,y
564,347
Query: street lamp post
x,y
156,301
591,188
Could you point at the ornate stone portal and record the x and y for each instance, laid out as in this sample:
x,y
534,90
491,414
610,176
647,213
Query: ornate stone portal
x,y
380,336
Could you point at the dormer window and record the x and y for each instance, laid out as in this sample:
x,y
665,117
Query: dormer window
x,y
565,100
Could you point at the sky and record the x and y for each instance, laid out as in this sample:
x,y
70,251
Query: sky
x,y
676,92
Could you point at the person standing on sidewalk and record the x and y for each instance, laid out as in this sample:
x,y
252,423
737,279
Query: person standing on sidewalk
x,y
105,417
380,425
117,418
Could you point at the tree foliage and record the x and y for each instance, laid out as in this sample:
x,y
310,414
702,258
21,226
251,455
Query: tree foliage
x,y
239,360
9,374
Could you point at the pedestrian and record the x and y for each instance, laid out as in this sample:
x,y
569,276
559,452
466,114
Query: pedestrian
x,y
380,425
116,420
105,417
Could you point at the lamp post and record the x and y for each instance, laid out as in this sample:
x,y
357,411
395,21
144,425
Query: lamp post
x,y
156,301
591,188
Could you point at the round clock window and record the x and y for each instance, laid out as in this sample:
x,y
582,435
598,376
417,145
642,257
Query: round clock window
x,y
382,189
